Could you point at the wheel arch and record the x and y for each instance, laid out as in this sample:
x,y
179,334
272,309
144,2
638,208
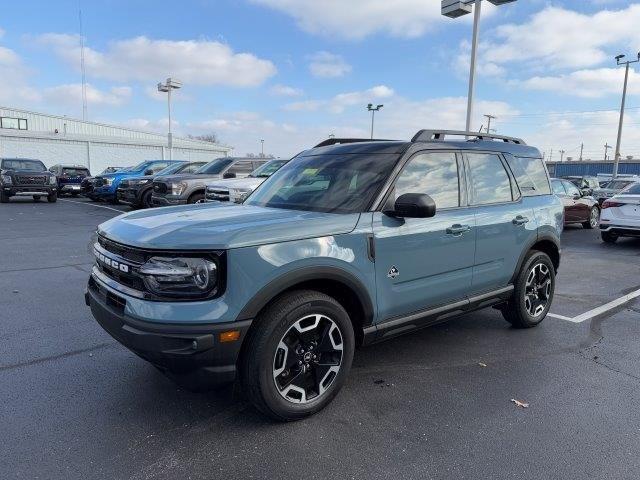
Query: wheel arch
x,y
335,282
546,244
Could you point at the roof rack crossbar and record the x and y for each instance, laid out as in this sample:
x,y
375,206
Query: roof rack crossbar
x,y
336,141
440,135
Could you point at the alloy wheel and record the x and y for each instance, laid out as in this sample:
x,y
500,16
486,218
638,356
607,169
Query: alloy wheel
x,y
594,218
537,289
308,358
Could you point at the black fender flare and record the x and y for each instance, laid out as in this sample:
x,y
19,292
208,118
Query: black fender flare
x,y
306,274
529,246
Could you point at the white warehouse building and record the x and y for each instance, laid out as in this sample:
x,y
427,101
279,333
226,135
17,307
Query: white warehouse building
x,y
56,139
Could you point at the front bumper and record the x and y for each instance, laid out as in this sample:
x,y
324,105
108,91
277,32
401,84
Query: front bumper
x,y
129,196
29,190
191,351
69,188
104,192
166,200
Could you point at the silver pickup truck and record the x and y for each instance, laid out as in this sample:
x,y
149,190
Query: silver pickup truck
x,y
190,188
236,190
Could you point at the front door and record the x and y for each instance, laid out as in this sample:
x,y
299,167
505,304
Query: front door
x,y
425,262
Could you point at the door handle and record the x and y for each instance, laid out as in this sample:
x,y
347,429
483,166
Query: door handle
x,y
458,229
520,220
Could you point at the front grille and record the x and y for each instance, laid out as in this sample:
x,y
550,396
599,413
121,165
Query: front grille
x,y
124,184
30,180
99,182
217,194
160,187
128,253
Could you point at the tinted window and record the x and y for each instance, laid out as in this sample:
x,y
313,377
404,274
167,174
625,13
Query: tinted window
x,y
215,167
326,183
618,184
267,169
435,174
632,189
530,174
190,168
21,164
558,189
241,168
571,188
75,172
489,180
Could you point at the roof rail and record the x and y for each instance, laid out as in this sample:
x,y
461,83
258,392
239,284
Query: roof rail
x,y
336,141
440,135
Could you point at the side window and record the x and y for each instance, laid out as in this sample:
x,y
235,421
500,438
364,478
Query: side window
x,y
435,174
558,189
241,168
158,166
530,174
190,168
489,180
571,188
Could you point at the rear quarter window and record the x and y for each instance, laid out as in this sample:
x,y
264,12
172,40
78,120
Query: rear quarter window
x,y
531,175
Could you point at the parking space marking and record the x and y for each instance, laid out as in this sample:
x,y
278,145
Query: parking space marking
x,y
91,205
599,310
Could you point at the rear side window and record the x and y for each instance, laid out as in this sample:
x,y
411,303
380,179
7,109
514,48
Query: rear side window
x,y
489,180
435,174
558,188
531,175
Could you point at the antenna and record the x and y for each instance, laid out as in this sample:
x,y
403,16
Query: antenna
x,y
82,67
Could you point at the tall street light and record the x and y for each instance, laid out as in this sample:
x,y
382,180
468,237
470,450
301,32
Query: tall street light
x,y
458,8
170,84
373,111
624,99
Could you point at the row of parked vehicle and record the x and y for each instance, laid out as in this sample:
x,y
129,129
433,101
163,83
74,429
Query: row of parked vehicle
x,y
175,182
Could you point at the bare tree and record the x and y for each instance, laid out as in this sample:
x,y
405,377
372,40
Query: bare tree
x,y
207,137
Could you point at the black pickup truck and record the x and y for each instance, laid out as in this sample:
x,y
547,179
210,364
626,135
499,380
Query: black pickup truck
x,y
23,177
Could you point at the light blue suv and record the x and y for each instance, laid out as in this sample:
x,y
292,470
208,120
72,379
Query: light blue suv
x,y
351,242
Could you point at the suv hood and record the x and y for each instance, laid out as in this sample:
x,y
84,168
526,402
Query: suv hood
x,y
247,182
221,226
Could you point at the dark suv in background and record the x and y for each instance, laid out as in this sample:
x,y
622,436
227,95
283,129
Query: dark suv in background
x,y
24,177
70,177
137,191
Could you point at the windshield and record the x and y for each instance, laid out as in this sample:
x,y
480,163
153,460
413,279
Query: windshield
x,y
618,185
22,164
139,167
215,167
633,189
326,183
268,169
173,168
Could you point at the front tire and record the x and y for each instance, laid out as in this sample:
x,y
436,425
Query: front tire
x,y
146,199
608,237
52,197
196,198
594,219
36,198
297,355
4,198
533,292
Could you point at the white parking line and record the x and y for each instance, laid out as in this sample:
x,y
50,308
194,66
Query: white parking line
x,y
91,205
598,310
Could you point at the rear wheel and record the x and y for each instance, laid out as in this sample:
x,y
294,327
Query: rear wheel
x,y
594,218
196,198
608,237
297,355
533,293
52,197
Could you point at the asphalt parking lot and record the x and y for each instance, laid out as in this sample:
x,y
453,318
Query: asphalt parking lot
x,y
434,404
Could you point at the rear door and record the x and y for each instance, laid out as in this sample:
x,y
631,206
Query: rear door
x,y
557,187
505,224
425,262
580,209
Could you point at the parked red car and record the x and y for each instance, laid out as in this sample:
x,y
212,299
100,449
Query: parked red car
x,y
578,207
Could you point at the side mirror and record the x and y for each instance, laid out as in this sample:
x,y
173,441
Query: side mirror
x,y
577,196
414,205
229,175
148,171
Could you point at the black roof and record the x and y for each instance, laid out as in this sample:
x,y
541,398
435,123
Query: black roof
x,y
428,139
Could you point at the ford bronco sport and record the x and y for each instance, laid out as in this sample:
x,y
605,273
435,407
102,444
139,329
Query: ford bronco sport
x,y
351,242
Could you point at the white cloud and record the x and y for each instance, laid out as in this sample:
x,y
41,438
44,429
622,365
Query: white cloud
x,y
340,102
561,38
15,76
589,83
328,65
357,19
286,91
198,62
71,94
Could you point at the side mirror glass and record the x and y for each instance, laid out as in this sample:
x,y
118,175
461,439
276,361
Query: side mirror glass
x,y
414,205
229,175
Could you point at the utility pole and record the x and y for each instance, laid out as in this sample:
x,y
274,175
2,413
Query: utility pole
x,y
489,118
373,111
82,66
624,98
551,155
581,150
170,84
262,148
562,152
607,147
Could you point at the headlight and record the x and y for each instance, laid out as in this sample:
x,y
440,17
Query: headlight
x,y
6,180
53,180
180,276
142,182
178,188
108,182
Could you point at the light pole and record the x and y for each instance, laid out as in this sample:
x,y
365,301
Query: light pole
x,y
170,84
616,161
373,111
458,8
262,148
489,118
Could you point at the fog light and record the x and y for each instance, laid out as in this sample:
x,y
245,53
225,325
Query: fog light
x,y
229,336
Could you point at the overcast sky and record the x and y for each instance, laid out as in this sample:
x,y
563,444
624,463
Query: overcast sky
x,y
294,71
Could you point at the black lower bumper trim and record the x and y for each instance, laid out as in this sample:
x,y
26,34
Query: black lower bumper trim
x,y
185,351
